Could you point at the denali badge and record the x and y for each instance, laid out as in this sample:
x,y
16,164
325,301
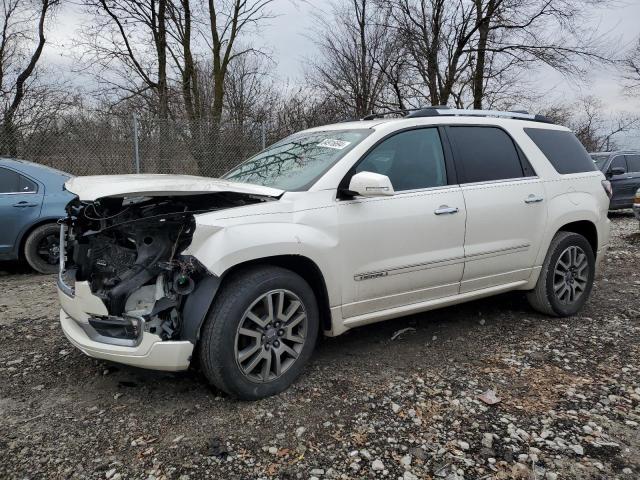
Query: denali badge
x,y
369,276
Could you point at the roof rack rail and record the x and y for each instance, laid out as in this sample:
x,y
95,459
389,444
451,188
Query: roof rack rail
x,y
443,110
406,111
438,111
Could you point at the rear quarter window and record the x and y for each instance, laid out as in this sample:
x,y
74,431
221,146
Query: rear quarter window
x,y
563,150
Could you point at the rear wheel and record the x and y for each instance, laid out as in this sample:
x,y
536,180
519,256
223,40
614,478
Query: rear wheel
x,y
42,248
260,332
566,278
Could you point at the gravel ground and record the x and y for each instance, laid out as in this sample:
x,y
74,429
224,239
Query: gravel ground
x,y
367,407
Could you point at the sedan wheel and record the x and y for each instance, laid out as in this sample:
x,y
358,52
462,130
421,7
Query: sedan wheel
x,y
42,248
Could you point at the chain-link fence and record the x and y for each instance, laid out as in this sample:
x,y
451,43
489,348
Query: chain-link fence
x,y
117,146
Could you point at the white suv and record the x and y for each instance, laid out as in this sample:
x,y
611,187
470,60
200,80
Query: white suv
x,y
330,229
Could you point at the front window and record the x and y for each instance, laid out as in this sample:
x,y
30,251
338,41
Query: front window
x,y
298,161
599,160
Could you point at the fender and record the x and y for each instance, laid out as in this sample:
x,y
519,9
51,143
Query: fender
x,y
568,208
220,248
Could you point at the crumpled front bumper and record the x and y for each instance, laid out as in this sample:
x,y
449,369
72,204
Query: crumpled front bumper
x,y
149,351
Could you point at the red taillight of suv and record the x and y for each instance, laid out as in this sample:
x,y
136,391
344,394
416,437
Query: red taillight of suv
x,y
606,184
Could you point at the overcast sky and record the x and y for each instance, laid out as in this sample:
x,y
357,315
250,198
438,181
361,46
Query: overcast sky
x,y
287,35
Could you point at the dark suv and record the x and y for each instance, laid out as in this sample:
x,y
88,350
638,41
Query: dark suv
x,y
622,168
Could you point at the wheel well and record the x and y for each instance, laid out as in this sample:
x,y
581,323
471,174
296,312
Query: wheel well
x,y
308,270
585,228
26,234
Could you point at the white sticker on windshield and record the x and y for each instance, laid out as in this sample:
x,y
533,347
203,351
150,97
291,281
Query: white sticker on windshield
x,y
331,143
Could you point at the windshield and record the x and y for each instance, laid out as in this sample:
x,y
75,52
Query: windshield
x,y
599,160
296,162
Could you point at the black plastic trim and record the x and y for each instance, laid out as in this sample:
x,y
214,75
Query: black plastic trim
x,y
197,306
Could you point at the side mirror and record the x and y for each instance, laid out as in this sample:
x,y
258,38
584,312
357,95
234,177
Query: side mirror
x,y
369,184
616,171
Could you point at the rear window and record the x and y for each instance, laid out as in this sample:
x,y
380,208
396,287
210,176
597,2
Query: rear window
x,y
9,181
562,149
485,154
634,163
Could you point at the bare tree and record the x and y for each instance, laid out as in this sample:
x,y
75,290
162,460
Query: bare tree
x,y
220,26
249,92
125,47
593,125
458,48
533,32
357,60
21,46
631,74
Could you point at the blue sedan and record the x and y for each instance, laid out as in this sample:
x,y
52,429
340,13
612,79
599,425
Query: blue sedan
x,y
32,199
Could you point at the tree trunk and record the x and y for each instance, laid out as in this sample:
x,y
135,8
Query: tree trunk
x,y
164,163
479,71
8,138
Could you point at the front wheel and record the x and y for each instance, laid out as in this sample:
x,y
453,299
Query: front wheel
x,y
260,332
566,277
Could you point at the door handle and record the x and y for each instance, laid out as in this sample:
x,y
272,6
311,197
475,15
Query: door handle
x,y
445,210
533,199
24,204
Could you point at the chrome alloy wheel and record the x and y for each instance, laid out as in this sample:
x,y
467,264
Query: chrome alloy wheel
x,y
571,275
271,335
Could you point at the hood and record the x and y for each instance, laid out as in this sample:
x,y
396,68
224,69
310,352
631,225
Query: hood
x,y
149,185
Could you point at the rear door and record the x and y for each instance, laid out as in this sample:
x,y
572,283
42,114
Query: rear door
x,y
20,204
506,207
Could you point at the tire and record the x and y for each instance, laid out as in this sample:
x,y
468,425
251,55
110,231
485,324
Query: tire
x,y
550,296
41,239
232,340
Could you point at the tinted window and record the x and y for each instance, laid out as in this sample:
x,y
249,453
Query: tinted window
x,y
26,185
411,159
633,161
599,160
618,162
562,149
9,181
485,154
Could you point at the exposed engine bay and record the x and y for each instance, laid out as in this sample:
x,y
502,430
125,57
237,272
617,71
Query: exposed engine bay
x,y
129,251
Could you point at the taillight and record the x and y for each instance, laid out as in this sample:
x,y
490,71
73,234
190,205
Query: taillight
x,y
606,184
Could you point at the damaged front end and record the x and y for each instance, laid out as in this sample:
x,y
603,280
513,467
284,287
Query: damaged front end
x,y
125,254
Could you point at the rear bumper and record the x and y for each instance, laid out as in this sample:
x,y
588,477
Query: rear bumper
x,y
150,351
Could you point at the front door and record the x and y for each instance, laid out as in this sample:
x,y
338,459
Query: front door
x,y
506,207
20,203
406,248
622,183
